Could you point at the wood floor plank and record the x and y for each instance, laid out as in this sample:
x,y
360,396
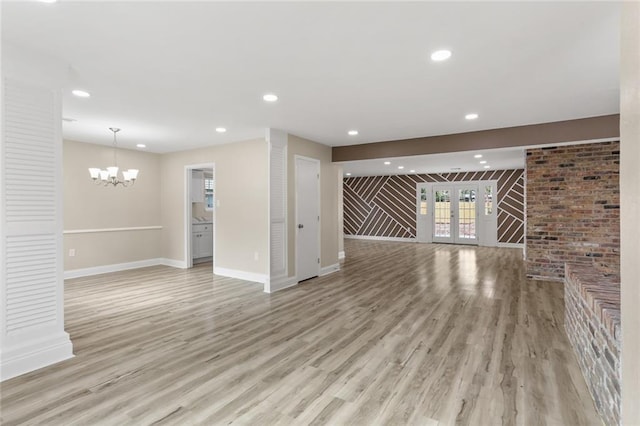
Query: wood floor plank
x,y
403,334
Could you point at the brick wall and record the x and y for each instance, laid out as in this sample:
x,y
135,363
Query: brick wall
x,y
592,322
573,202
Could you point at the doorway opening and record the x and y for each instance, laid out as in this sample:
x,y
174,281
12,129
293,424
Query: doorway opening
x,y
200,203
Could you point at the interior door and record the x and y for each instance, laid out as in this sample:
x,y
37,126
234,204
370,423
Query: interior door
x,y
307,218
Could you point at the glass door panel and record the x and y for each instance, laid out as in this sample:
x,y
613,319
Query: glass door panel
x,y
442,231
466,215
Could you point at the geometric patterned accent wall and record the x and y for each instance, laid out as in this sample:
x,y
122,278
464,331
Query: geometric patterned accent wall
x,y
385,206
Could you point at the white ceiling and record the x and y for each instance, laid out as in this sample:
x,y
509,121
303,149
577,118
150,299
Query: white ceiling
x,y
169,73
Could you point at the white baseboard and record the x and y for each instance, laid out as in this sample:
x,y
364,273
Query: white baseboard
x,y
35,354
372,237
241,275
116,267
511,245
341,255
279,283
180,264
326,270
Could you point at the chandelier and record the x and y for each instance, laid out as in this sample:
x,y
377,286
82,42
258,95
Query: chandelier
x,y
110,175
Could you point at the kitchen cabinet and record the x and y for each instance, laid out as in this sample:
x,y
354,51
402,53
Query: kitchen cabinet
x,y
202,240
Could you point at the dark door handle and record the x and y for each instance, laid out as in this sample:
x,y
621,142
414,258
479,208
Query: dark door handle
x,y
300,226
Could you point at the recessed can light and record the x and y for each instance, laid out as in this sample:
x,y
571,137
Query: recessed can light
x,y
412,171
386,163
141,145
477,156
401,167
48,1
348,174
69,119
471,116
352,132
270,97
440,55
80,93
483,162
487,166
220,129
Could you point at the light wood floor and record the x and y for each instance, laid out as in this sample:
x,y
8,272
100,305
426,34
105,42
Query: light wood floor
x,y
403,334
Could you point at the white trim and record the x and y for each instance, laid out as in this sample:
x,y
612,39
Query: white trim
x,y
341,255
241,275
326,270
279,283
131,228
37,354
511,245
371,237
174,263
116,267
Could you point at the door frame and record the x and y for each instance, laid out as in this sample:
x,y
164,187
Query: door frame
x,y
188,211
483,239
297,157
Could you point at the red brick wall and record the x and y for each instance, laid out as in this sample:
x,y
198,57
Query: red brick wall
x,y
573,208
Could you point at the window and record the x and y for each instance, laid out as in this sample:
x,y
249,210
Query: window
x,y
208,193
423,201
488,200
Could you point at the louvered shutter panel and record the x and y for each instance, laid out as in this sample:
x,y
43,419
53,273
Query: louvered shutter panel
x,y
31,220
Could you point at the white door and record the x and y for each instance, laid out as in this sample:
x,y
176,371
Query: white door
x,y
465,213
443,215
455,213
307,218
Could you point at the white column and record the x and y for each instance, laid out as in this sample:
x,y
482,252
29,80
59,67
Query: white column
x,y
278,253
31,269
630,210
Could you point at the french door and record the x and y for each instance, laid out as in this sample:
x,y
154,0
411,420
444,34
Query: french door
x,y
455,213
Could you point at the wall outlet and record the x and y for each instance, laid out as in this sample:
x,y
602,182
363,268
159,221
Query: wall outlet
x,y
217,203
255,255
72,252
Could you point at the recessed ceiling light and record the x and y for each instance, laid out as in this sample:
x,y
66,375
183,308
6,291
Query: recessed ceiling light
x,y
456,168
440,55
386,163
477,156
48,1
348,174
220,129
141,145
352,132
471,116
412,171
69,120
483,162
270,97
401,167
80,93
487,166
